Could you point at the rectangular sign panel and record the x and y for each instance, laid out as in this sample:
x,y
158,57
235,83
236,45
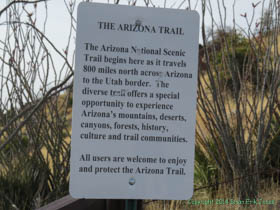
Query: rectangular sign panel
x,y
133,125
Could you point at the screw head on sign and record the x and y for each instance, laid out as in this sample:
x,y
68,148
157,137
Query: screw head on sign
x,y
132,181
138,22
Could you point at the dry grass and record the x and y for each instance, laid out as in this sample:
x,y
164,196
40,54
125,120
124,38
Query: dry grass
x,y
269,192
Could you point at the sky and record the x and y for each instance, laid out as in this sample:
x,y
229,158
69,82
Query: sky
x,y
58,19
58,16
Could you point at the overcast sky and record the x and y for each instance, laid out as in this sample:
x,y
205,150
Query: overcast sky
x,y
58,17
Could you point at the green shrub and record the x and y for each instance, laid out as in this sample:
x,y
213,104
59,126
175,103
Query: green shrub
x,y
23,185
206,172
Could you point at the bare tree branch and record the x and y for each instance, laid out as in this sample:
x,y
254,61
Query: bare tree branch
x,y
19,2
36,108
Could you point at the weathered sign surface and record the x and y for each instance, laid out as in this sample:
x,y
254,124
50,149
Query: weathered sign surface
x,y
135,85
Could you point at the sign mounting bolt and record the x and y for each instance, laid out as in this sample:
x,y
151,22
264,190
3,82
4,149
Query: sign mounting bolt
x,y
138,22
132,181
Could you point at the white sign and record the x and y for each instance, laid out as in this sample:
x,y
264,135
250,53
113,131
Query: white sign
x,y
133,126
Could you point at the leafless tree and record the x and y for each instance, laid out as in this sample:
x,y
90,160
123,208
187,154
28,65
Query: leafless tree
x,y
238,122
34,122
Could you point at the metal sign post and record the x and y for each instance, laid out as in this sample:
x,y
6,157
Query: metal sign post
x,y
130,204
